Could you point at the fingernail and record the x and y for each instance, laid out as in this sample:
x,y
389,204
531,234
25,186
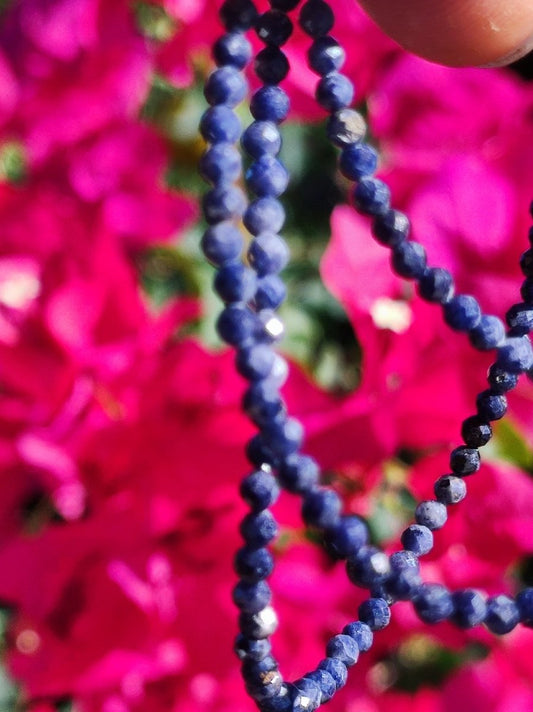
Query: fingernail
x,y
513,56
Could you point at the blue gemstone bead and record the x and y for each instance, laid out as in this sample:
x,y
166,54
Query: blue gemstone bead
x,y
308,694
253,669
502,614
475,431
515,355
524,601
391,228
488,334
238,15
462,312
403,585
347,537
436,285
418,539
520,319
270,293
375,612
325,55
433,603
270,103
316,18
222,243
261,137
409,260
358,160
490,405
259,453
372,196
258,528
259,490
235,282
262,403
321,508
251,597
526,290
337,669
449,489
325,682
368,567
283,437
281,702
265,687
253,565
268,253
219,124
361,633
271,65
334,91
381,590
247,648
237,325
501,381
526,263
464,461
344,648
220,163
234,49
273,328
267,177
470,608
264,215
298,473
274,28
345,127
225,202
431,514
255,362
401,560
225,85
259,625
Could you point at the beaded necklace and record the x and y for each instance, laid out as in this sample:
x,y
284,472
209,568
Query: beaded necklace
x,y
249,322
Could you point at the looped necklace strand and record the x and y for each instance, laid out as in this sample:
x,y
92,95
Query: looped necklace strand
x,y
252,291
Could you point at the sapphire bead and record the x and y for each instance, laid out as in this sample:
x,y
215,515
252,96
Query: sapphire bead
x,y
262,403
464,461
462,312
260,625
488,334
347,537
526,263
267,176
259,490
321,508
219,123
449,489
408,259
515,355
334,91
265,687
501,381
298,473
259,452
502,614
361,633
475,431
490,405
221,162
431,514
375,612
418,539
308,695
225,85
358,160
337,669
253,565
345,127
372,196
402,560
270,293
274,28
283,437
238,15
252,669
520,319
271,65
258,528
247,648
433,603
404,584
234,49
325,55
316,18
225,202
325,682
264,215
235,283
270,103
344,648
524,601
222,243
251,597
436,285
470,608
268,253
255,362
237,325
391,228
261,137
369,566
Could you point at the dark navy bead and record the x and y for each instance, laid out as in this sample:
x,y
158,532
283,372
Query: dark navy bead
x,y
361,633
358,160
436,285
462,312
247,648
380,590
285,5
464,461
271,65
234,49
222,243
334,91
219,123
526,290
490,405
344,648
321,508
325,682
431,514
274,27
450,489
235,283
470,608
345,127
255,362
261,137
259,452
418,539
404,584
237,325
501,381
225,202
375,612
326,55
347,537
221,163
253,565
408,259
270,103
433,603
238,15
225,85
502,614
283,437
267,176
251,597
475,431
264,215
258,528
488,334
369,566
252,669
260,625
270,293
402,560
268,253
526,263
298,473
515,355
391,228
308,694
265,687
372,196
262,402
281,702
524,601
337,669
273,328
520,319
259,490
316,18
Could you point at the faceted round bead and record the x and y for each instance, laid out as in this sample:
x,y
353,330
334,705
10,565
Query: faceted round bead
x,y
436,285
225,202
308,695
449,489
270,293
284,437
251,597
418,539
220,123
515,355
334,91
238,15
402,560
361,633
280,371
261,137
380,590
526,290
488,334
259,452
326,55
321,508
260,625
358,160
433,603
404,584
258,528
524,601
273,328
501,381
470,608
222,243
232,48
265,687
490,405
526,263
375,612
274,27
262,403
369,566
520,319
235,282
268,253
225,85
344,648
345,127
372,196
298,473
254,669
337,669
264,215
462,312
464,461
316,18
408,259
220,163
253,565
267,177
271,65
502,614
325,682
255,362
270,103
475,431
259,490
431,514
391,228
247,648
281,702
237,325
347,537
